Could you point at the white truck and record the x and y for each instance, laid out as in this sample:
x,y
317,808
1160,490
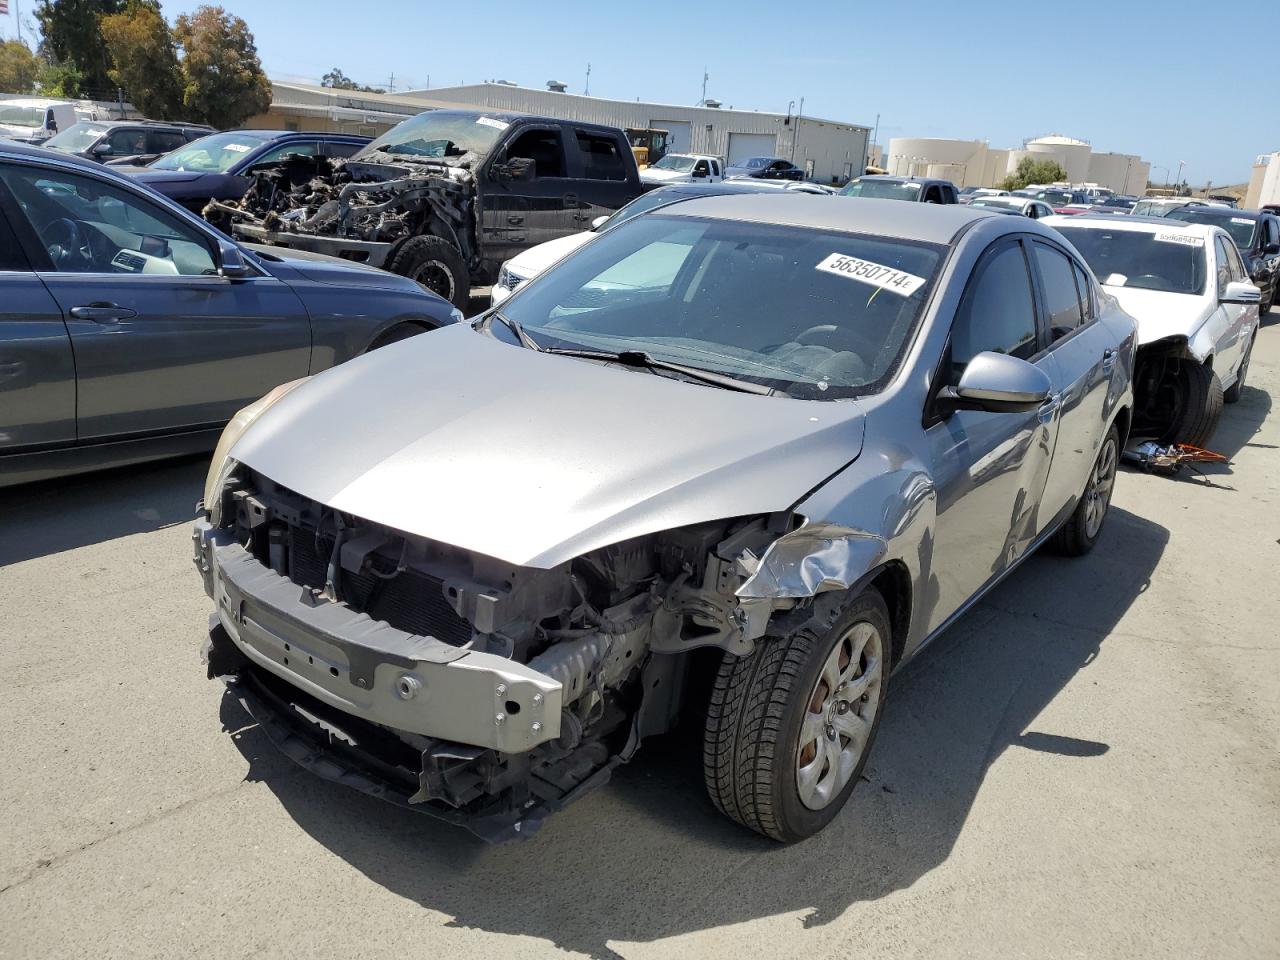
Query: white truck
x,y
35,120
683,168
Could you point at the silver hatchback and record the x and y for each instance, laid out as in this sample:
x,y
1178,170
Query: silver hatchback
x,y
798,436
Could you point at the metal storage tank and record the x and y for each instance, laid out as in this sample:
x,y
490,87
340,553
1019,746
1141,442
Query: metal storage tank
x,y
1117,171
1072,154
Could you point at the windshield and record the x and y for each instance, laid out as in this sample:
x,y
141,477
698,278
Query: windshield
x,y
77,137
997,202
213,154
1241,229
816,314
22,116
755,163
438,135
1166,261
675,161
882,189
1055,197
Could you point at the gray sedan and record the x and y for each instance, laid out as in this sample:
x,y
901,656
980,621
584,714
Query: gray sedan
x,y
786,438
130,329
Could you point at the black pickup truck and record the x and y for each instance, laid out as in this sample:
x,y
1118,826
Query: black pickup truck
x,y
446,197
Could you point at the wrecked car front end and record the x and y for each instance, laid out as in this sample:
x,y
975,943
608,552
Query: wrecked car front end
x,y
354,209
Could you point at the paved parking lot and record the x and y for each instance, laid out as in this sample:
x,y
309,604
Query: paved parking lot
x,y
1086,765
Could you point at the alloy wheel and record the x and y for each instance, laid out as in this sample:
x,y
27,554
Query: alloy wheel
x,y
840,715
1098,494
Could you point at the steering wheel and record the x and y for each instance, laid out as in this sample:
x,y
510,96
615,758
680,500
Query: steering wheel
x,y
67,244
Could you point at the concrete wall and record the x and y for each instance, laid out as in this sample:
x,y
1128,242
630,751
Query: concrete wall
x,y
1122,172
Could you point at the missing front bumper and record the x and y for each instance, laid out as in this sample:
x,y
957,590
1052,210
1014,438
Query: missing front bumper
x,y
368,669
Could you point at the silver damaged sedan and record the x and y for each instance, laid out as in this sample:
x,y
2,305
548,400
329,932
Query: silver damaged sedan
x,y
735,461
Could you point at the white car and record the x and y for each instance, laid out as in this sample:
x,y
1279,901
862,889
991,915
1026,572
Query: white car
x,y
684,168
982,192
1197,314
1027,206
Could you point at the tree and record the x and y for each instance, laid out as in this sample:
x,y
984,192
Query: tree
x,y
72,38
1031,170
60,80
144,58
223,82
19,67
338,80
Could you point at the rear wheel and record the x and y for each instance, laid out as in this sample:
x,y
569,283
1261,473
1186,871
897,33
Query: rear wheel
x,y
436,265
1081,530
790,726
1198,404
1232,393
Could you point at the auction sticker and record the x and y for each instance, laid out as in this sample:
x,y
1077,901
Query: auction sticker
x,y
877,275
237,147
1243,221
1186,239
490,122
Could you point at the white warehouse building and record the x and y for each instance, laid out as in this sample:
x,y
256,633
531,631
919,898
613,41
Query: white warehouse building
x,y
972,163
828,150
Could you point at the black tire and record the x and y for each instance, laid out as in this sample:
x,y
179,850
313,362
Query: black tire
x,y
751,749
1081,530
397,333
1199,405
1233,393
436,265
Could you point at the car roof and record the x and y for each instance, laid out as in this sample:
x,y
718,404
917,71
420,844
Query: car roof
x,y
1132,224
1225,213
893,178
928,222
745,185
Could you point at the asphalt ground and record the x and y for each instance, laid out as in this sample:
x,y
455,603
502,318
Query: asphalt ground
x,y
1085,765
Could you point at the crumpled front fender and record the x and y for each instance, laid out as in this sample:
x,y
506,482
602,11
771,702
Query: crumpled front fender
x,y
814,559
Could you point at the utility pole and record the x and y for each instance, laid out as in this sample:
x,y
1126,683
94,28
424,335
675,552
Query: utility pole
x,y
874,137
795,132
587,92
1177,181
391,87
705,77
17,18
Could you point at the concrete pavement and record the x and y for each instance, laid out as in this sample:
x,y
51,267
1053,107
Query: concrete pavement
x,y
1086,765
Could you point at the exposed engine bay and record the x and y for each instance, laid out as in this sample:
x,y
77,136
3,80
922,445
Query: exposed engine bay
x,y
372,201
484,693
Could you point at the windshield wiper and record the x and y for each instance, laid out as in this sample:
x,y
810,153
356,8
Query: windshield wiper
x,y
645,361
515,327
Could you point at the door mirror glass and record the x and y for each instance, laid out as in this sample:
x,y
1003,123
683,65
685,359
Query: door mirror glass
x,y
999,383
1240,291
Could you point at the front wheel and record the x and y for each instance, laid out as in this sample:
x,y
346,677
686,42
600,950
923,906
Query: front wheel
x,y
436,265
790,726
1199,405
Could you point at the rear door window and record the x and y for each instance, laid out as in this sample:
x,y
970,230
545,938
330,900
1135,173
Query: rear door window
x,y
600,157
1061,297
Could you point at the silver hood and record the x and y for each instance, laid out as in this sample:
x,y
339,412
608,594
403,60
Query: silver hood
x,y
535,459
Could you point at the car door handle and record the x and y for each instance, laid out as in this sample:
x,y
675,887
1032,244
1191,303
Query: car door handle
x,y
103,312
515,221
1049,407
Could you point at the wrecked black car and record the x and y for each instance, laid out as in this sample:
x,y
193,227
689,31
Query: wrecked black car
x,y
445,197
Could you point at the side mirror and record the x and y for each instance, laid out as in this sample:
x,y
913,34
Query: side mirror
x,y
1271,249
231,263
998,383
598,222
522,168
1240,291
101,149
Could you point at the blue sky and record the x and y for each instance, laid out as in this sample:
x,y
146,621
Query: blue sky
x,y
1129,77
